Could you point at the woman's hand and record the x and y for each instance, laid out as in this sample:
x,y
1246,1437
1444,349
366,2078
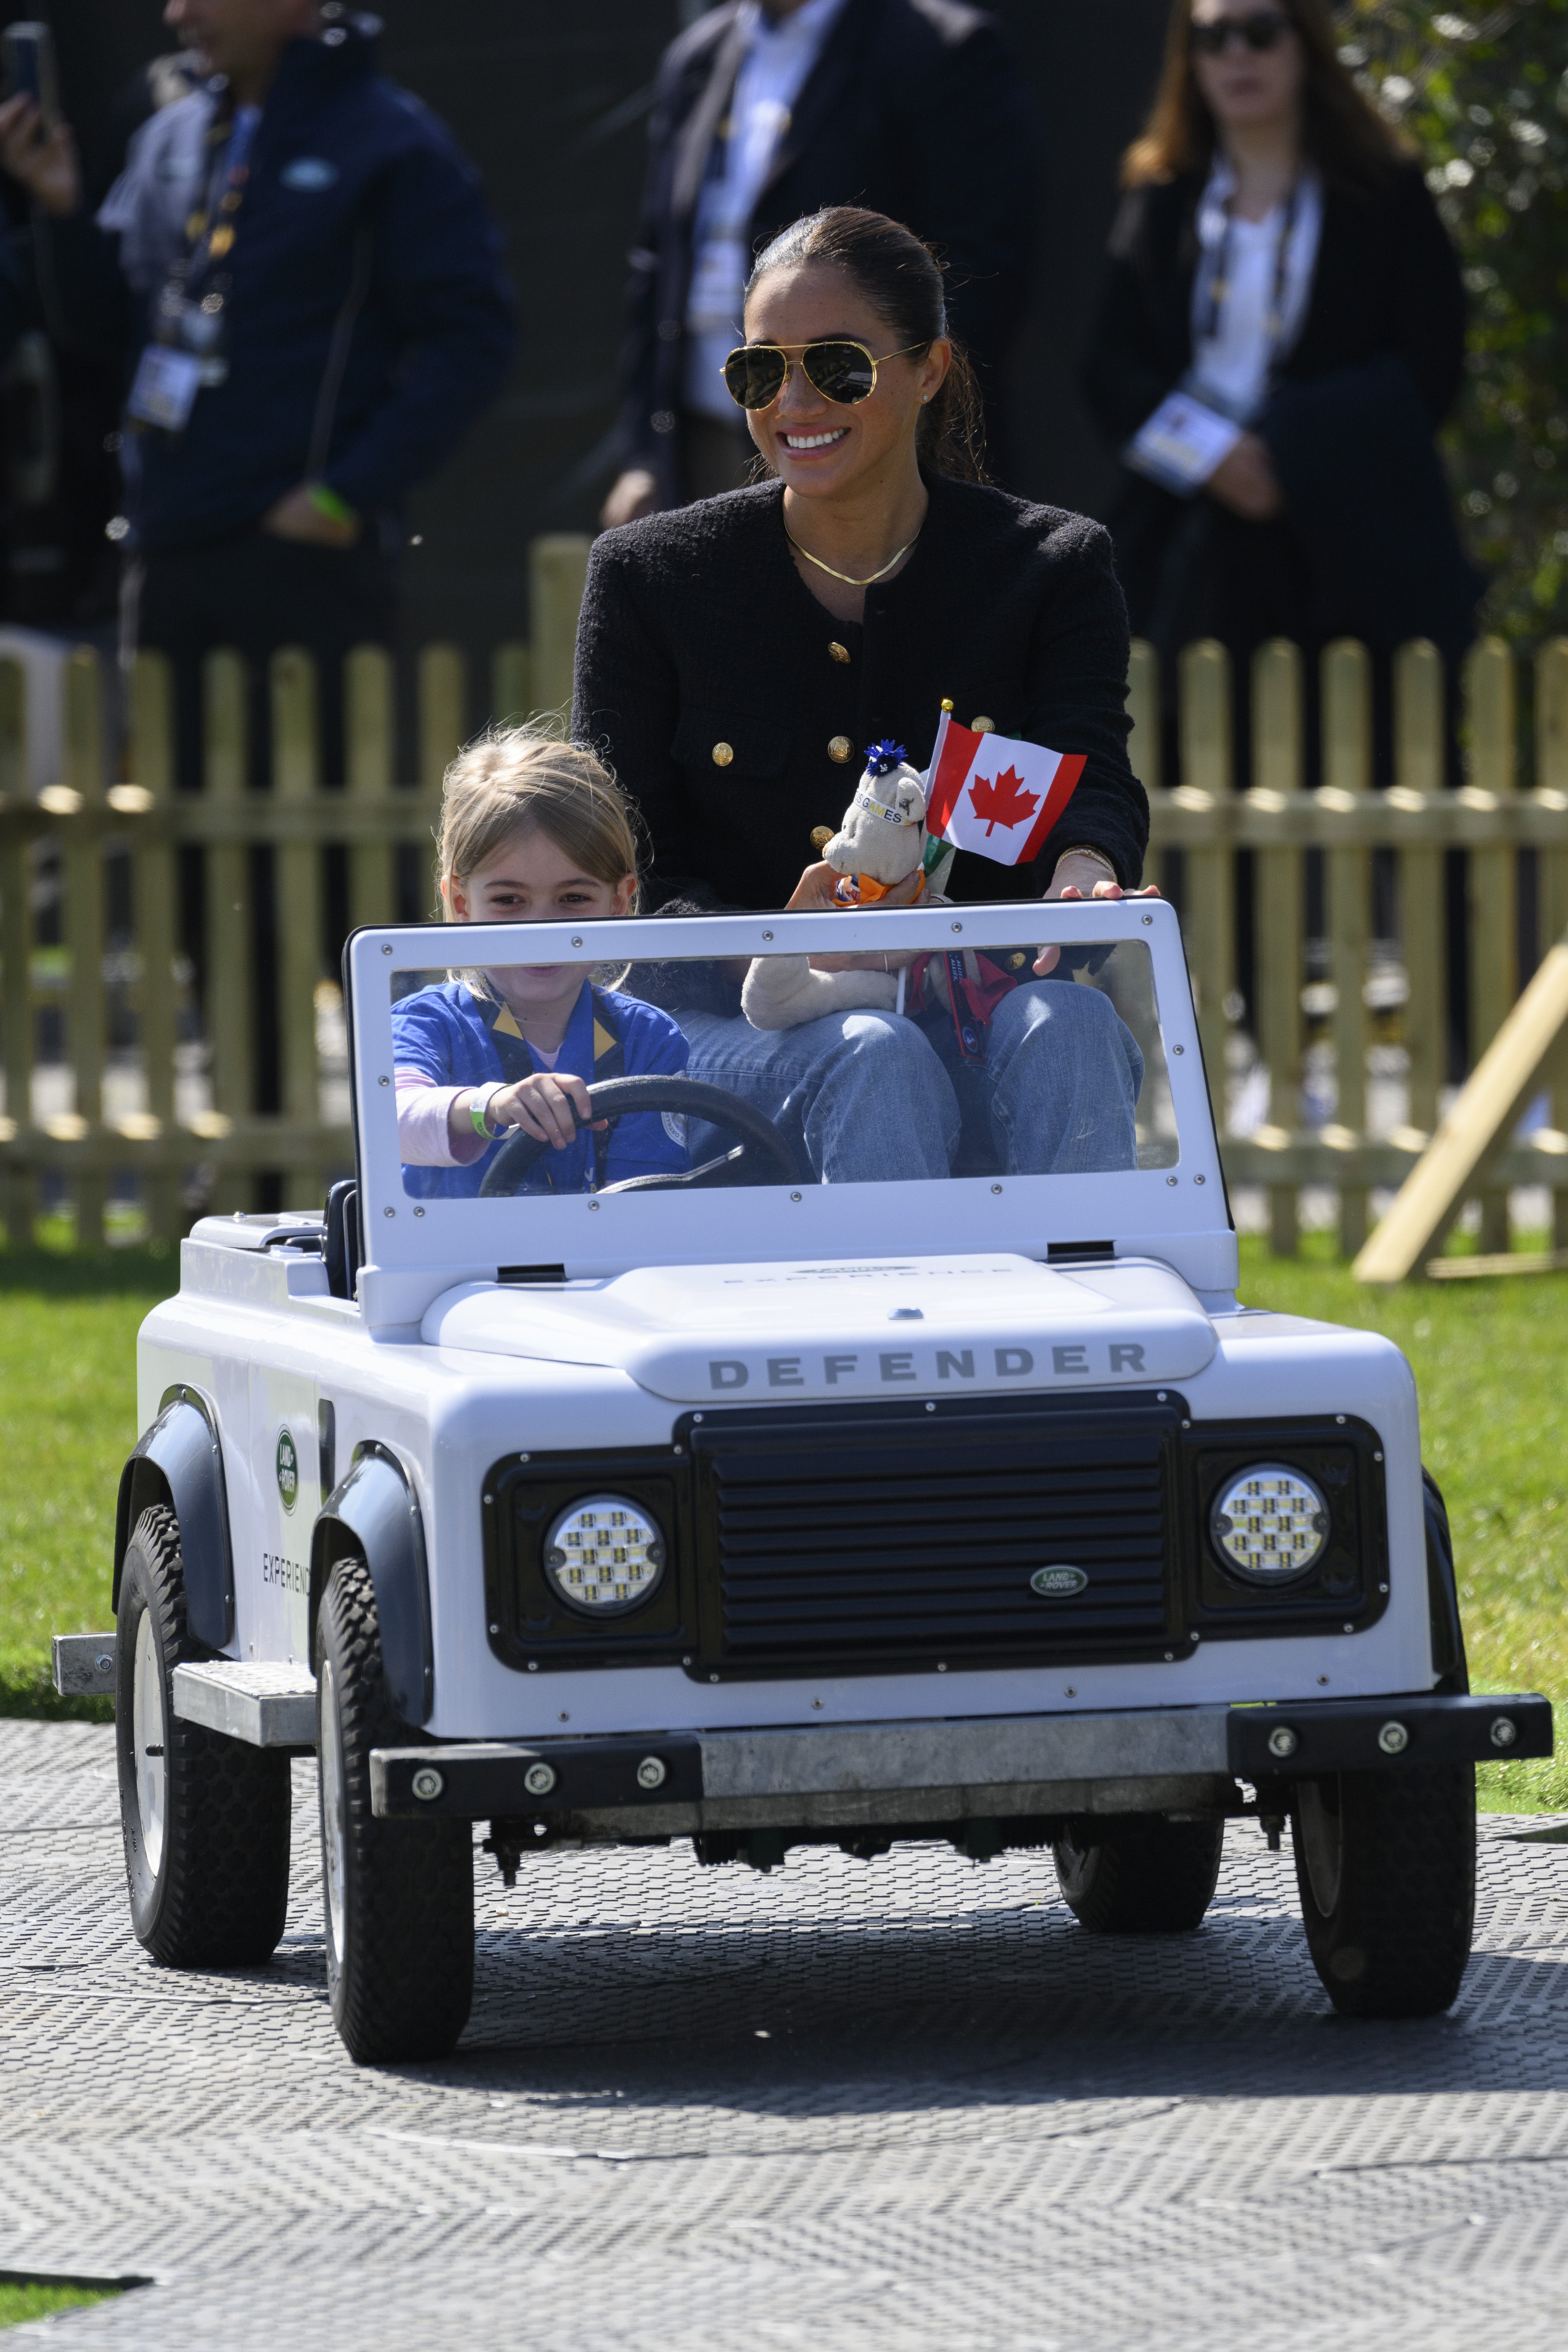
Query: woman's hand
x,y
817,892
1244,481
1078,877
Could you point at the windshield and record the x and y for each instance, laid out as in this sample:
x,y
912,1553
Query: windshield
x,y
694,1072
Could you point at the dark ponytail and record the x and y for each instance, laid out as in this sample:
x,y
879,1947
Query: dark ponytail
x,y
901,279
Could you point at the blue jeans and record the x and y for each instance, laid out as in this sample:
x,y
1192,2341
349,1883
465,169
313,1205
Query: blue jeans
x,y
869,1099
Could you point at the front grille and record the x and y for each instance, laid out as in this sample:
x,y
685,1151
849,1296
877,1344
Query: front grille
x,y
877,1535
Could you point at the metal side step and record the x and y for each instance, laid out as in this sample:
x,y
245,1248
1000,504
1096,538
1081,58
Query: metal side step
x,y
264,1705
84,1665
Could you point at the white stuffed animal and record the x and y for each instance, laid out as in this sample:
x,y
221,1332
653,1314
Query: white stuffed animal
x,y
880,844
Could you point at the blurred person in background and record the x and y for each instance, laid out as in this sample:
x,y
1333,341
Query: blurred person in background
x,y
765,110
298,272
1280,334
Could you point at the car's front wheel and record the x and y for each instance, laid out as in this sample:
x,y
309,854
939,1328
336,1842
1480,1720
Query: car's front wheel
x,y
398,1896
205,1817
1386,1864
1139,1875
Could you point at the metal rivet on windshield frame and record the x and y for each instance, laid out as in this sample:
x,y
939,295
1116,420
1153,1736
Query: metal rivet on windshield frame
x,y
958,927
419,1213
1170,1180
795,1196
386,951
1148,919
1199,1179
389,1213
767,935
593,1204
1178,1049
384,1082
576,942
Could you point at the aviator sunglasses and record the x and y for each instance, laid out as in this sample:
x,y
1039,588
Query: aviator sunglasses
x,y
843,373
1265,29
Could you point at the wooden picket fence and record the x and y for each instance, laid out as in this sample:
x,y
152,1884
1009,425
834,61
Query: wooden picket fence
x,y
96,1016
1284,817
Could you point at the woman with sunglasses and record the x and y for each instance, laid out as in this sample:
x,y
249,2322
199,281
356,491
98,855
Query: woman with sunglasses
x,y
1282,331
735,657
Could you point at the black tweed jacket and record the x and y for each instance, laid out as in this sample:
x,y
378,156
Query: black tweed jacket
x,y
736,709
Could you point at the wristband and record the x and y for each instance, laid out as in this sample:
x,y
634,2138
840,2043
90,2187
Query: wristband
x,y
327,502
480,1103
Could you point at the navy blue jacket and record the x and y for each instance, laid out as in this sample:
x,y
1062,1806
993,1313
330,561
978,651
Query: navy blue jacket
x,y
355,189
915,108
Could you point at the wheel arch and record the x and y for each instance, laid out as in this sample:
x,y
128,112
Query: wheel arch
x,y
1449,1661
373,1515
178,1462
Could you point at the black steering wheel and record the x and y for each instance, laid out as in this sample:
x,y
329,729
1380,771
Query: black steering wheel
x,y
761,1157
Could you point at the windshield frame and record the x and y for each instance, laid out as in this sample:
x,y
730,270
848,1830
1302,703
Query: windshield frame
x,y
607,1234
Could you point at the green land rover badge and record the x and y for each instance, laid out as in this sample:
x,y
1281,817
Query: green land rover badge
x,y
288,1469
1051,1583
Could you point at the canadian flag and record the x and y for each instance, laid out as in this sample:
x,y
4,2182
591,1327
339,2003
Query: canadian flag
x,y
988,793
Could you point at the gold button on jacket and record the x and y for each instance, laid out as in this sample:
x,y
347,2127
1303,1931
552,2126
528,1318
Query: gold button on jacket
x,y
840,748
722,755
836,652
982,726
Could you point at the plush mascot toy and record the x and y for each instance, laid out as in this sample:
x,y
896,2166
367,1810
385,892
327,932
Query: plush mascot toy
x,y
879,845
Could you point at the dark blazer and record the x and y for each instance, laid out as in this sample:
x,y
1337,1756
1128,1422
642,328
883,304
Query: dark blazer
x,y
698,631
1368,546
915,108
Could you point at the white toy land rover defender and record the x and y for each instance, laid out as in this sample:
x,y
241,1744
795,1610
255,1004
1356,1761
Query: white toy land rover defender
x,y
728,1504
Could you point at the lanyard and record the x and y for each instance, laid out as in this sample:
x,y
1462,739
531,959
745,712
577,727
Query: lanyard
x,y
210,239
1217,293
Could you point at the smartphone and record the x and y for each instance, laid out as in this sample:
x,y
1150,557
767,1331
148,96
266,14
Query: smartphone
x,y
27,54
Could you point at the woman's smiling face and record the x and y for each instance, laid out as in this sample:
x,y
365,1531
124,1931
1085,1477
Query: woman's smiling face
x,y
820,447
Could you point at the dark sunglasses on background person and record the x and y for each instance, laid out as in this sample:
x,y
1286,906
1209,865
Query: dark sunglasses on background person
x,y
1264,29
843,373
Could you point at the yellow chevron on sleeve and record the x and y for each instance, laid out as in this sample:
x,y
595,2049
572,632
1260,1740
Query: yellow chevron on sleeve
x,y
603,1040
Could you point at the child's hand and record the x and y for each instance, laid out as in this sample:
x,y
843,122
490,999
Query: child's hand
x,y
542,1106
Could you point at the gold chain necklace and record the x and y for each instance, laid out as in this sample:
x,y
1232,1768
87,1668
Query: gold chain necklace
x,y
849,581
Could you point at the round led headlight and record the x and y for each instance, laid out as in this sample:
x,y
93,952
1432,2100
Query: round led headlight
x,y
1270,1524
604,1556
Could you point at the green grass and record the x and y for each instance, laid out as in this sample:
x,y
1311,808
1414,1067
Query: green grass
x,y
1490,1357
68,1406
35,2302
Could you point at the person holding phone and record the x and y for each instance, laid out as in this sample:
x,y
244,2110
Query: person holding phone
x,y
298,272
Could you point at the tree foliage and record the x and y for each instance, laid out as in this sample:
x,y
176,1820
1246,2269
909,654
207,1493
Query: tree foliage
x,y
1483,91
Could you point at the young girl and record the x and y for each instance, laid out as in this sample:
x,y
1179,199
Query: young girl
x,y
532,831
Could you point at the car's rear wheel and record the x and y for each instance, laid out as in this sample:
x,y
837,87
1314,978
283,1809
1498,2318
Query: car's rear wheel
x,y
398,1896
1139,1875
205,1817
1386,1864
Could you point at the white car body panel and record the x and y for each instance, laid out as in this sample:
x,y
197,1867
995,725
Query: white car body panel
x,y
452,1370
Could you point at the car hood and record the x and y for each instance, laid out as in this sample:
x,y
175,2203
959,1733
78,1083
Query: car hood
x,y
779,1332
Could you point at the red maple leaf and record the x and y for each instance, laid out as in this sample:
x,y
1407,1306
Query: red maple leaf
x,y
1004,801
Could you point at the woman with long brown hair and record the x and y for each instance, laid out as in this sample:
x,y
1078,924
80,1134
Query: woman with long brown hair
x,y
1280,334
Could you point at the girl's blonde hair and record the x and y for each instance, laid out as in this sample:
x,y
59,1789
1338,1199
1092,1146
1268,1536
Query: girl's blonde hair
x,y
516,776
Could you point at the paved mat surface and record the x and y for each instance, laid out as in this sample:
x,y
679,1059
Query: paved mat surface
x,y
898,2106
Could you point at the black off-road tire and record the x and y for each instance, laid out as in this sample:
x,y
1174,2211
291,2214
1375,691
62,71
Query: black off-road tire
x,y
1142,1875
398,1896
1385,1863
209,1884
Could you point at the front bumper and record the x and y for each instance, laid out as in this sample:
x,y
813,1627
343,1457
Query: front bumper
x,y
877,1775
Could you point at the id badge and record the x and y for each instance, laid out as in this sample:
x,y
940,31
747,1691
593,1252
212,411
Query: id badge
x,y
1180,446
165,387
